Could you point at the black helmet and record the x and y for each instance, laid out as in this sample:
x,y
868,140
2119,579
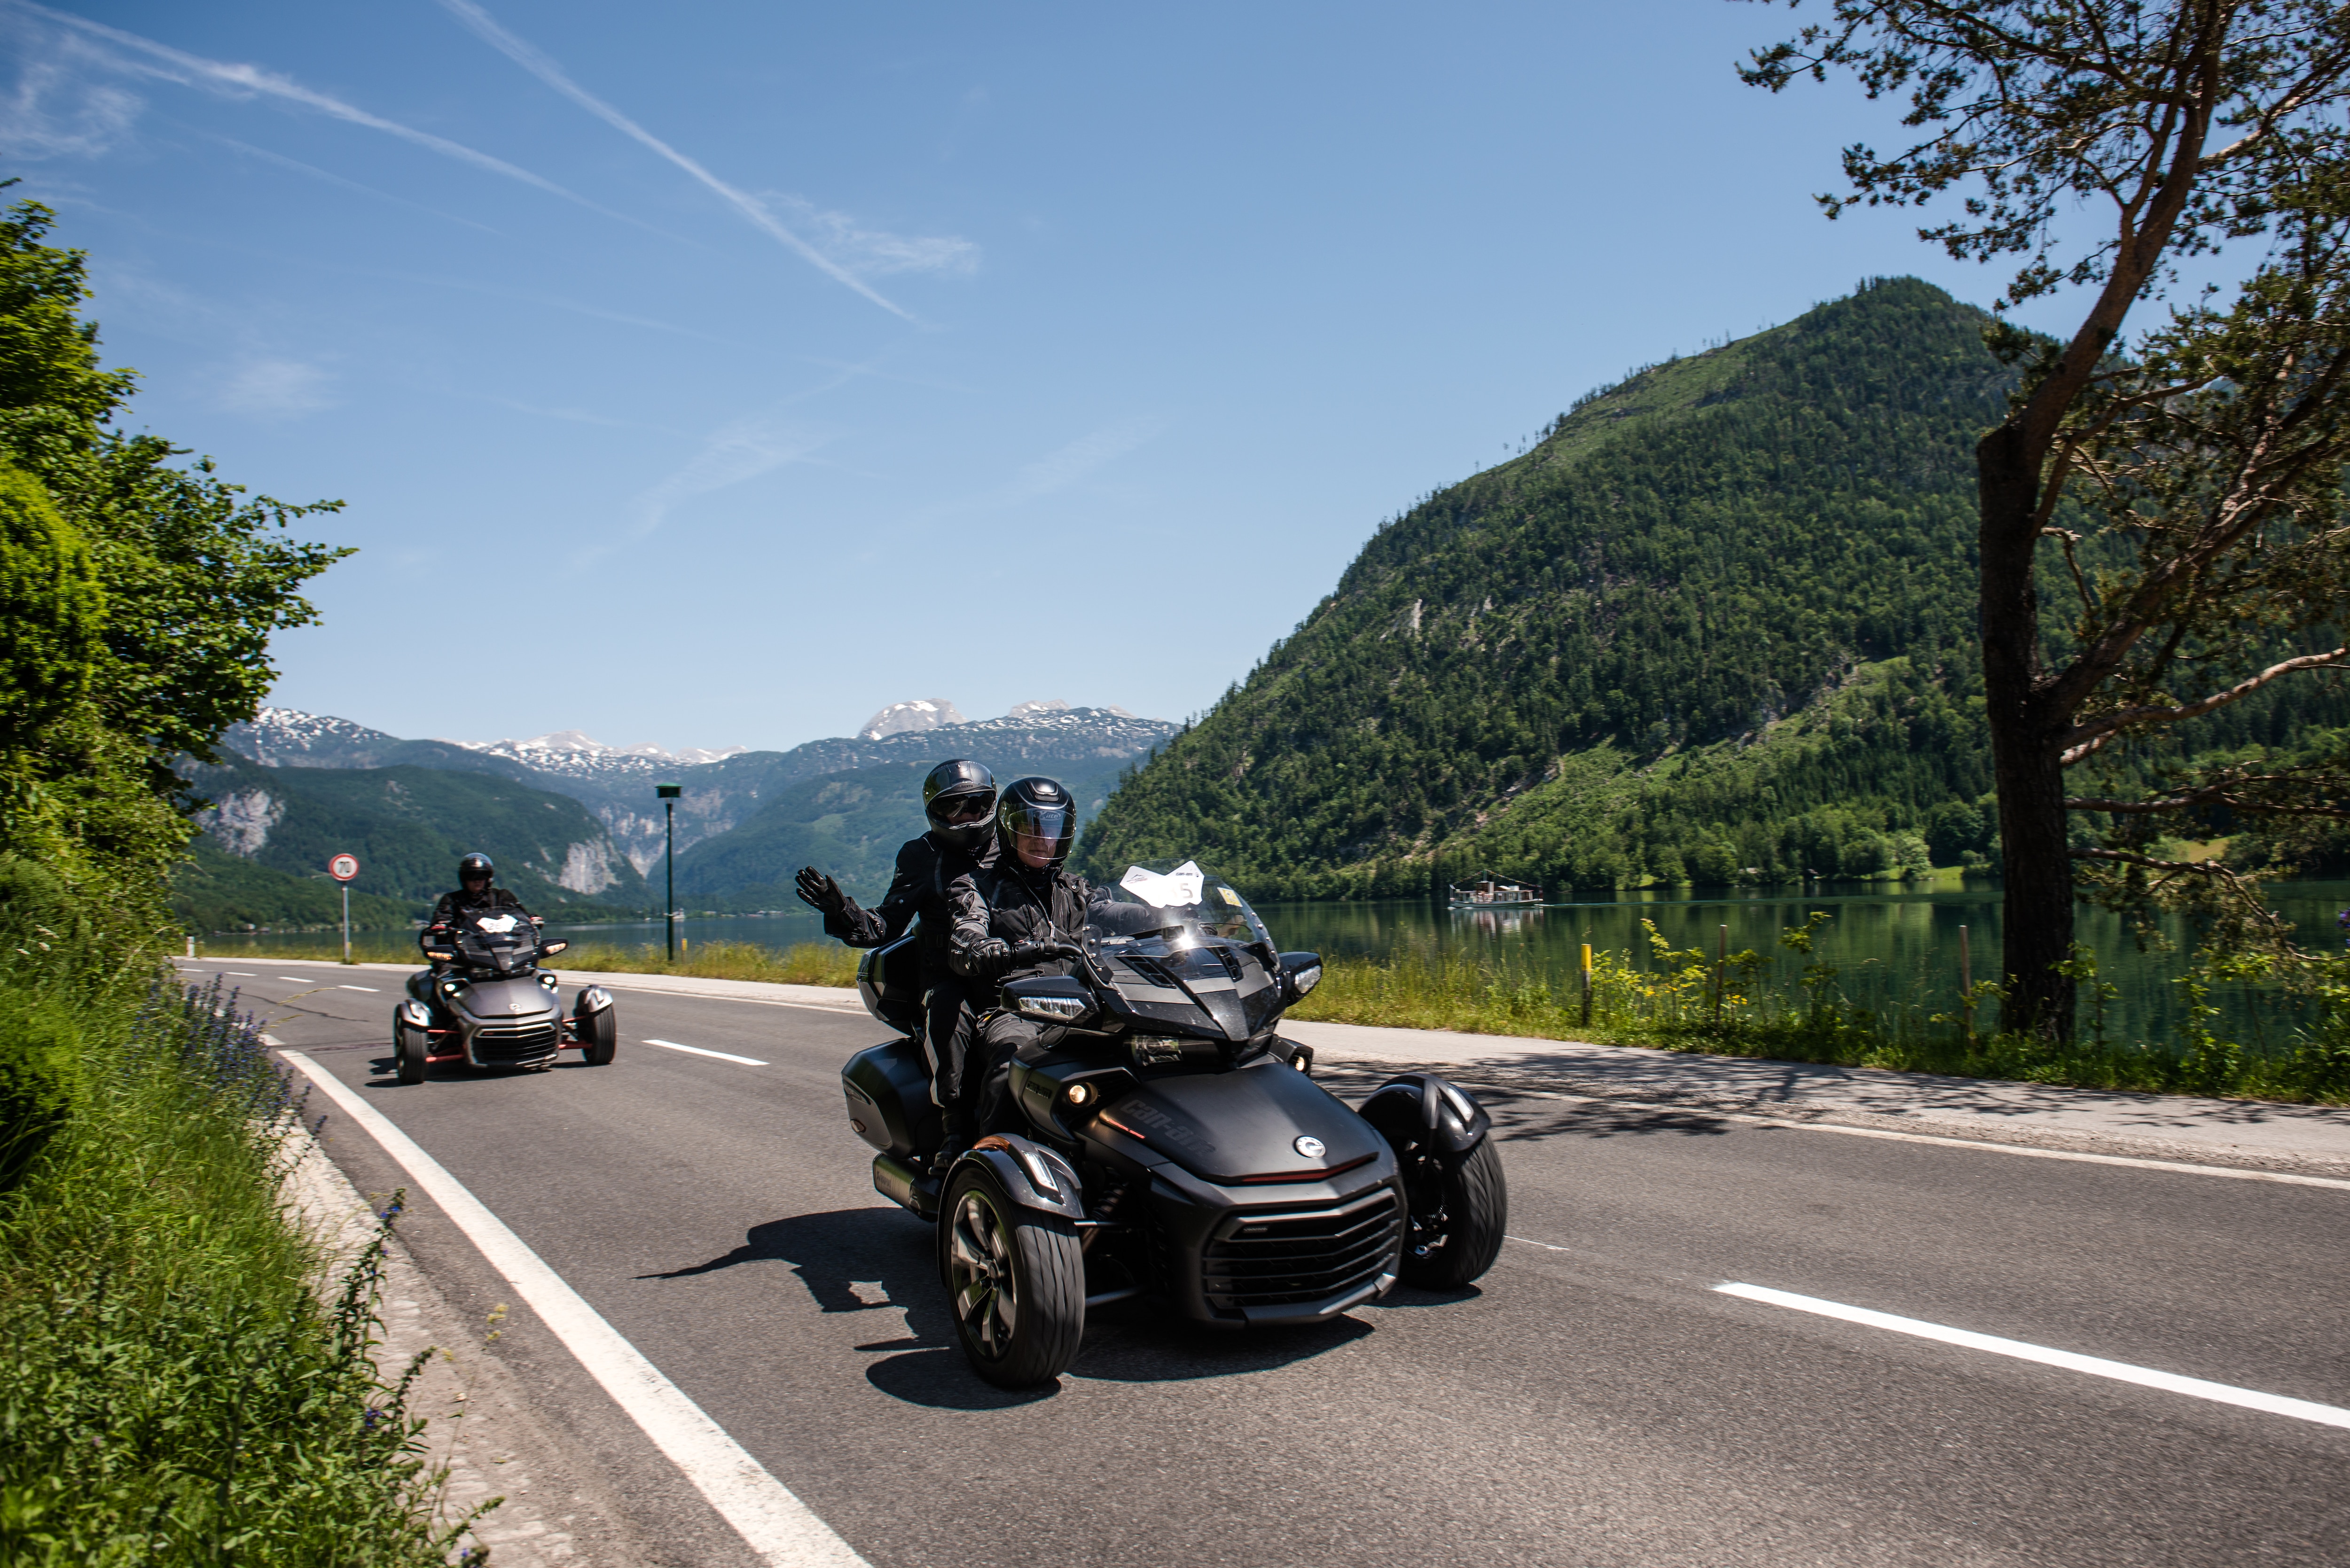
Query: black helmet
x,y
1040,812
476,864
958,797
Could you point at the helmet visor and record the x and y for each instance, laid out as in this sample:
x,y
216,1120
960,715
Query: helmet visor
x,y
1040,833
963,809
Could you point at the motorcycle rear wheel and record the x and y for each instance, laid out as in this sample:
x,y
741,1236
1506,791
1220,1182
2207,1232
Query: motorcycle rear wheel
x,y
1458,1211
1015,1281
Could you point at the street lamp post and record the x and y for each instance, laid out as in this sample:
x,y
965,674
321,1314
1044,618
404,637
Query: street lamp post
x,y
669,793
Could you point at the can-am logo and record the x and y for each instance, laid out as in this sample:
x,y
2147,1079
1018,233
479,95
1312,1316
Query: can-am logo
x,y
1310,1146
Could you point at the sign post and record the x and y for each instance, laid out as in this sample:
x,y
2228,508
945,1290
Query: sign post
x,y
343,869
667,795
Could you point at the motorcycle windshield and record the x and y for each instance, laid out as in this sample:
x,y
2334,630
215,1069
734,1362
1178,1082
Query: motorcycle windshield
x,y
1182,906
502,941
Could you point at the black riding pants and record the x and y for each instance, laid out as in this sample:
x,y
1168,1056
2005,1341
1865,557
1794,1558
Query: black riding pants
x,y
1005,1037
947,1031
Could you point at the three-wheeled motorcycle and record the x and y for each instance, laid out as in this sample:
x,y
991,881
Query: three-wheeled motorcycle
x,y
1170,1143
485,1002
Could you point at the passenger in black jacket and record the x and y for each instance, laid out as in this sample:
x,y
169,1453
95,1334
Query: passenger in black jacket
x,y
1022,915
959,799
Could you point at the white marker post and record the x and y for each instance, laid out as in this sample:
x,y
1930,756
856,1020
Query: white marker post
x,y
343,869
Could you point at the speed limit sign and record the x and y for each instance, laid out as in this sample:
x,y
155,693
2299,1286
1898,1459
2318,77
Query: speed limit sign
x,y
343,868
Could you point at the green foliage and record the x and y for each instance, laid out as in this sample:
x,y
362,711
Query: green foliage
x,y
193,576
214,890
51,611
172,1388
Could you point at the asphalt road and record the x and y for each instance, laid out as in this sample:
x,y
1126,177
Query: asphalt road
x,y
1595,1401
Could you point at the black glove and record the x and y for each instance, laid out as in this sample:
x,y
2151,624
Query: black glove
x,y
820,892
1027,953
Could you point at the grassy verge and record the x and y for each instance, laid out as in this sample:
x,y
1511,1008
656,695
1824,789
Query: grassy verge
x,y
1669,1004
174,1389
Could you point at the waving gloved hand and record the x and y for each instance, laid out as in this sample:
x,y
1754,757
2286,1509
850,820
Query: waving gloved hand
x,y
819,891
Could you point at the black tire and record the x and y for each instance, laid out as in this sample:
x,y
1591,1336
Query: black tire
x,y
599,1037
1016,1282
407,1048
1460,1209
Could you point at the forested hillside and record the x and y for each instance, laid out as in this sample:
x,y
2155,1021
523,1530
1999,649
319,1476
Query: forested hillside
x,y
407,826
1718,625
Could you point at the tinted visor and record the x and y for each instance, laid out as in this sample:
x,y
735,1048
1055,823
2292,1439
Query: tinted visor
x,y
1041,832
960,809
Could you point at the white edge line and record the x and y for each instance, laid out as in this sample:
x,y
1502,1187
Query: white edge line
x,y
2134,1162
721,1055
2097,1365
778,1526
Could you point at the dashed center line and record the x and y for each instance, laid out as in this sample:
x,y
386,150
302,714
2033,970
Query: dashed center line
x,y
366,988
2095,1365
698,1050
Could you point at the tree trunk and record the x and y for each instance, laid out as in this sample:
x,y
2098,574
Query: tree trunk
x,y
2026,744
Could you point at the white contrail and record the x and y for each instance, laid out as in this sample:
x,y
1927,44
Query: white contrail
x,y
253,80
529,59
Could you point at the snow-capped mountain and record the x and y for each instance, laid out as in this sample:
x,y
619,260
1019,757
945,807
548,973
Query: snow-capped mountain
x,y
576,755
909,717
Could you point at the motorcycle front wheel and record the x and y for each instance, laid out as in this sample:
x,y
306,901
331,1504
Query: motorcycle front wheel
x,y
407,1048
599,1037
1016,1282
1460,1209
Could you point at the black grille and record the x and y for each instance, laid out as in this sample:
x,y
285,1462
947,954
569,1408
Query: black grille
x,y
1151,970
1286,1257
514,1042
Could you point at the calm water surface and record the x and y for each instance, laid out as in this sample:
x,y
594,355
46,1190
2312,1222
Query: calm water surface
x,y
1894,949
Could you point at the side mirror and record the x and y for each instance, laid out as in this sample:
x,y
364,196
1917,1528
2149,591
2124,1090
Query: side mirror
x,y
1300,973
1049,999
548,949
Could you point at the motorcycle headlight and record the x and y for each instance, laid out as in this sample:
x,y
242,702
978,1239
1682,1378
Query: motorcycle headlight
x,y
1052,1009
452,987
547,980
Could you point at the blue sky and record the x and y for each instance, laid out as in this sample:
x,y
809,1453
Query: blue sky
x,y
754,365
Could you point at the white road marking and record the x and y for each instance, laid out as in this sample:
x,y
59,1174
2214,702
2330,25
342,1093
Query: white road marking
x,y
2097,1365
1528,1242
365,988
721,1055
295,979
778,1526
241,973
2183,1168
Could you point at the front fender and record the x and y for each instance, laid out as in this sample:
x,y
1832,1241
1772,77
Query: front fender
x,y
1422,1108
1031,1175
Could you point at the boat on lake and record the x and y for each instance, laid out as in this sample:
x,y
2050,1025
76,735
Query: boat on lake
x,y
1490,893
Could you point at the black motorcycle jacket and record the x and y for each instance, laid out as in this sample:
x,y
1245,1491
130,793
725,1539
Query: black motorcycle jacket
x,y
1007,906
927,870
455,906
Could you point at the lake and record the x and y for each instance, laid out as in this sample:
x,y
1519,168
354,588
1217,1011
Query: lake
x,y
1896,949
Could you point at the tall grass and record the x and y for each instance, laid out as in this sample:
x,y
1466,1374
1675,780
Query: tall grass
x,y
803,963
1792,1008
173,1387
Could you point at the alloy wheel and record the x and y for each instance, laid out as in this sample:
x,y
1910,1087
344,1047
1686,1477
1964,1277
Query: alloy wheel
x,y
986,1291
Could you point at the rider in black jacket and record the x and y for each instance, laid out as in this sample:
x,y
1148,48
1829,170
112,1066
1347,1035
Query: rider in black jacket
x,y
472,895
959,799
1022,915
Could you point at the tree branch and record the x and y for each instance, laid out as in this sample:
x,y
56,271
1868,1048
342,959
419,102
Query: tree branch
x,y
2076,740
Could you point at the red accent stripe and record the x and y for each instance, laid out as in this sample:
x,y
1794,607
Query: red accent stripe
x,y
1301,1175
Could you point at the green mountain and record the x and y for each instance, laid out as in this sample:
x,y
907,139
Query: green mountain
x,y
850,823
269,828
1717,625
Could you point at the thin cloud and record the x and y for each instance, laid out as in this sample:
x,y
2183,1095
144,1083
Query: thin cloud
x,y
735,452
530,58
1060,469
165,63
299,167
278,389
873,251
51,113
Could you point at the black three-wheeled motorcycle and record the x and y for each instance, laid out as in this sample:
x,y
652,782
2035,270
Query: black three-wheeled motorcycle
x,y
487,1004
1172,1145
